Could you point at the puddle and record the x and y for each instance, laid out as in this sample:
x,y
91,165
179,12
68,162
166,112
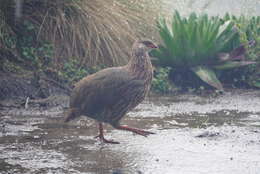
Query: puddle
x,y
193,135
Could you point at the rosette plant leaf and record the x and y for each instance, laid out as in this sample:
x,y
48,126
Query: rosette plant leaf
x,y
249,31
201,44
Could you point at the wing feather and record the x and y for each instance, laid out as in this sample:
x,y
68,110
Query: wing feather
x,y
103,90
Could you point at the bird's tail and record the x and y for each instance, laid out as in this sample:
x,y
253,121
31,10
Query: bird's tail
x,y
71,114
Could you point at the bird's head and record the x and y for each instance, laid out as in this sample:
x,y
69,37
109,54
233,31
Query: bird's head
x,y
145,45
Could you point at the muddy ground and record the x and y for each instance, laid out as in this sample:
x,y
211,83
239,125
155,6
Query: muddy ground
x,y
194,135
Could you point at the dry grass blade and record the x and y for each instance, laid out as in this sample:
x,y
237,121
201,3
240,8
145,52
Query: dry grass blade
x,y
93,32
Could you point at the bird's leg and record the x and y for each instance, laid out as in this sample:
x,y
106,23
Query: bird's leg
x,y
101,135
135,130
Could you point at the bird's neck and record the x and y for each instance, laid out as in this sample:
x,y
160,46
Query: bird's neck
x,y
140,65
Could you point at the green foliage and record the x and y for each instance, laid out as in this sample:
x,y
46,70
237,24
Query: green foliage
x,y
252,32
249,32
23,47
192,41
38,57
36,54
254,52
7,36
200,43
73,71
207,75
248,27
96,32
160,82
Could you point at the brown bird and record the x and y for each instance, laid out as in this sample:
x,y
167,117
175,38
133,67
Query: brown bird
x,y
109,94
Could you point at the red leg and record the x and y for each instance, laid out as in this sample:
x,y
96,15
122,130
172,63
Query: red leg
x,y
135,130
101,135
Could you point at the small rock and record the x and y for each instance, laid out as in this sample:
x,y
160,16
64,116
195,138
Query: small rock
x,y
208,134
139,172
117,171
36,136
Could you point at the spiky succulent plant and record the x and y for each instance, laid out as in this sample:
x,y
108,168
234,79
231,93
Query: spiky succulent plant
x,y
201,44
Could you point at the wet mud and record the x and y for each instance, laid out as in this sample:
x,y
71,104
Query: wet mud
x,y
194,134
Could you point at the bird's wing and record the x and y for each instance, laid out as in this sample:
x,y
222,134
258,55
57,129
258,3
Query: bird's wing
x,y
102,90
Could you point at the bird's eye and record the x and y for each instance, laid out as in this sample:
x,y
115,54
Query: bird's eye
x,y
151,45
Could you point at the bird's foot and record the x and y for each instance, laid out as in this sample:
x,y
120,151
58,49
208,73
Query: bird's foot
x,y
101,135
102,138
135,130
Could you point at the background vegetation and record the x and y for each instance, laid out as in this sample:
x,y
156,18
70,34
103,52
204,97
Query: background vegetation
x,y
90,32
204,45
69,39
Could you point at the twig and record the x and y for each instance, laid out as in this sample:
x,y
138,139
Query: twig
x,y
26,103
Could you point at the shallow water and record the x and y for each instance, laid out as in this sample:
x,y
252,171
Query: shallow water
x,y
193,135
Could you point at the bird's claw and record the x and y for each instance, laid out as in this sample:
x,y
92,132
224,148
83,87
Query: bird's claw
x,y
143,133
105,140
135,130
